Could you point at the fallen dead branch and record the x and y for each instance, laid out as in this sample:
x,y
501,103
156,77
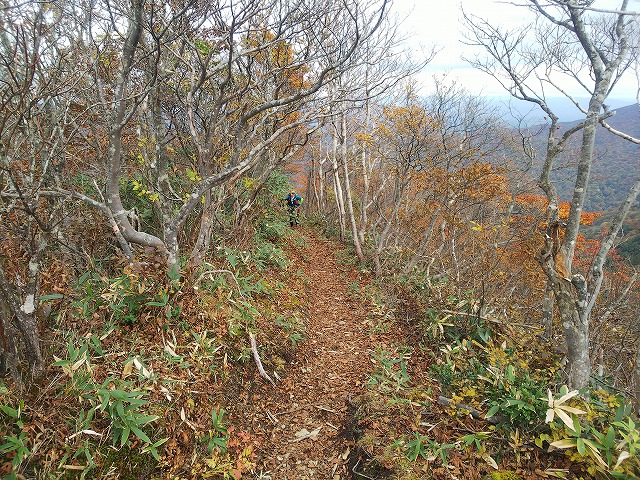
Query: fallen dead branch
x,y
256,357
324,409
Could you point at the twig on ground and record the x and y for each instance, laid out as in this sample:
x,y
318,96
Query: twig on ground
x,y
256,357
603,383
288,411
325,409
210,272
360,474
271,417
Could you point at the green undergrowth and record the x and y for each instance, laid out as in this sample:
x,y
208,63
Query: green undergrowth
x,y
147,367
450,364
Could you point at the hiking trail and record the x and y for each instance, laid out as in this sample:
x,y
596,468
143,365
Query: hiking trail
x,y
306,430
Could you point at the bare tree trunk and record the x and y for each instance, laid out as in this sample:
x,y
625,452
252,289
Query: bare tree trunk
x,y
22,304
381,242
596,275
575,307
426,235
576,331
160,165
316,183
347,186
620,300
365,176
607,53
9,352
119,121
337,185
322,185
547,311
454,256
311,194
203,243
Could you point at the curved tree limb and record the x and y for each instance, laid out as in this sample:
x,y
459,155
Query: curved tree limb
x,y
256,358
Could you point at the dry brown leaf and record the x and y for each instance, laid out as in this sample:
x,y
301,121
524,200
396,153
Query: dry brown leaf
x,y
303,434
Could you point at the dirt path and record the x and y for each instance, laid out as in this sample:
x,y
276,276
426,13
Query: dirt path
x,y
331,368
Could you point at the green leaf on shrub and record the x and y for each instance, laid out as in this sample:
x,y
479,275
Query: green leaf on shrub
x,y
492,411
580,446
51,296
140,434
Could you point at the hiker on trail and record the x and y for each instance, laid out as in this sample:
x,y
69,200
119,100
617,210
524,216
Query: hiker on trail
x,y
293,206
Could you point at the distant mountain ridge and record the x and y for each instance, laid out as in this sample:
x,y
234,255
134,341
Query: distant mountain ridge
x,y
616,165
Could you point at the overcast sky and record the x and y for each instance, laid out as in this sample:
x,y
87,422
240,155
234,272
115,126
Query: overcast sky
x,y
438,22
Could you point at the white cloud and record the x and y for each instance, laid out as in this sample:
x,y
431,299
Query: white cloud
x,y
438,23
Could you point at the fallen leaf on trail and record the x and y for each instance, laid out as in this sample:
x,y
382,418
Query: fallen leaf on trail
x,y
141,368
166,392
490,461
170,351
128,368
304,434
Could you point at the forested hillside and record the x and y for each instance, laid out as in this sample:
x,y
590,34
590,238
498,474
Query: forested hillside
x,y
616,164
237,241
615,168
628,244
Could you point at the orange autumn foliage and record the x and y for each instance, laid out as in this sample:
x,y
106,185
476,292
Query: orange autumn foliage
x,y
539,204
